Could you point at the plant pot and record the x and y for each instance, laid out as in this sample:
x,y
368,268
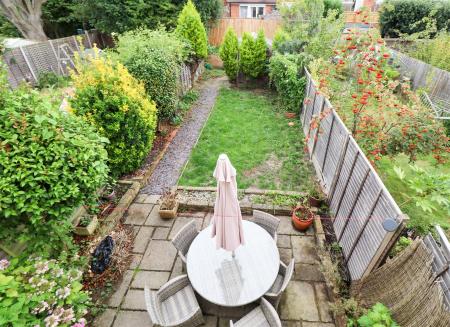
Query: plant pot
x,y
290,115
301,224
169,213
89,229
314,202
110,195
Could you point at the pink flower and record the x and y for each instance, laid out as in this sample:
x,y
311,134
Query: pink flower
x,y
4,264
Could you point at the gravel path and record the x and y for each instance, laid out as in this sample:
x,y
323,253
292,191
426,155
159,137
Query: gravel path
x,y
169,168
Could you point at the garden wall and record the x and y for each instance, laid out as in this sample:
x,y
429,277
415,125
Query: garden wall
x,y
361,205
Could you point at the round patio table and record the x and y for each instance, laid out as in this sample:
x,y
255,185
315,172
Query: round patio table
x,y
231,282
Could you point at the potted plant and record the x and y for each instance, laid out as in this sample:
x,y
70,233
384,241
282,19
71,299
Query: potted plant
x,y
302,217
168,205
87,225
109,192
315,198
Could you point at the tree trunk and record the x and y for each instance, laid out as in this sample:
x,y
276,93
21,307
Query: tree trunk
x,y
26,16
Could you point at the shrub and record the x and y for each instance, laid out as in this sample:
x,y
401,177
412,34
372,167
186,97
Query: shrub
x,y
281,37
50,162
39,291
191,28
333,5
434,52
50,79
284,75
259,55
407,17
229,53
377,315
209,10
246,52
112,100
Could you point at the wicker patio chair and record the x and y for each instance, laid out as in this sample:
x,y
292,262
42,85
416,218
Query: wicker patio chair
x,y
267,221
174,304
280,284
262,316
182,241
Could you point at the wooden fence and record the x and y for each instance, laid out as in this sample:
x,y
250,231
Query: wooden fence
x,y
25,63
351,17
362,207
241,25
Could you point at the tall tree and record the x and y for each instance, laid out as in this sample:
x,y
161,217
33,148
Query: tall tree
x,y
26,16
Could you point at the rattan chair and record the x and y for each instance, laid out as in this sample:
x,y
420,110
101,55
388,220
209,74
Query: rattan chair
x,y
267,221
280,284
263,315
182,241
174,304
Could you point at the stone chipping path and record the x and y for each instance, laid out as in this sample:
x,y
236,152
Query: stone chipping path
x,y
155,261
170,167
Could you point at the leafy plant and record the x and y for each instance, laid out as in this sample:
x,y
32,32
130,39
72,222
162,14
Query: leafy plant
x,y
113,101
50,79
402,243
50,162
85,221
281,37
229,53
247,50
284,75
433,51
209,10
377,315
39,291
259,55
333,5
168,200
191,29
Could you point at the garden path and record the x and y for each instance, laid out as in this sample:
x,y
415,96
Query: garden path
x,y
155,261
171,165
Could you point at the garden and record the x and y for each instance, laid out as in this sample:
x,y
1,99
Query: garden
x,y
68,173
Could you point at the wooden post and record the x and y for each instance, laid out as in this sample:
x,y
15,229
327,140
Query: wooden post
x,y
317,130
338,169
28,64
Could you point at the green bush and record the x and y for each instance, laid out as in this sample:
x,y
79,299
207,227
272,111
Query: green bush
x,y
112,100
407,16
333,5
281,37
434,51
246,52
50,79
259,55
229,53
209,10
284,75
377,315
50,162
191,29
37,292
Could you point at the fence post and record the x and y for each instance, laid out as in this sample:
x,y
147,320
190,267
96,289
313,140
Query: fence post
x,y
318,128
338,169
28,64
328,143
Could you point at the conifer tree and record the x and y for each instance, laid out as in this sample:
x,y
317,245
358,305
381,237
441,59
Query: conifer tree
x,y
229,53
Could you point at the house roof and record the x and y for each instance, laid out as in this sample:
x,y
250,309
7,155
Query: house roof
x,y
267,2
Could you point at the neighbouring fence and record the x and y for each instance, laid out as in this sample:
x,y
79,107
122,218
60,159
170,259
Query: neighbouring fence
x,y
414,284
188,77
361,205
241,25
351,17
25,63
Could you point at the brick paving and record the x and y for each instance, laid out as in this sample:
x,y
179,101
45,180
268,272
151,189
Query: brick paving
x,y
155,261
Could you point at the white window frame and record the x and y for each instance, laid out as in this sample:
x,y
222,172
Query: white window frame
x,y
249,9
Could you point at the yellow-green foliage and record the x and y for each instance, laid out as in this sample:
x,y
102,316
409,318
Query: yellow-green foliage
x,y
191,28
229,53
259,55
247,54
115,102
434,51
281,36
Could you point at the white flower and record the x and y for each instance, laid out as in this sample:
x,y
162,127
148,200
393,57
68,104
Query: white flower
x,y
59,272
4,264
41,267
63,293
51,321
67,316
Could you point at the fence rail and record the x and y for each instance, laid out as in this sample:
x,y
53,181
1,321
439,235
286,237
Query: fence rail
x,y
362,207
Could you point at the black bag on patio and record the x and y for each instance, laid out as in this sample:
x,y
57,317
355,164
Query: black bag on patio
x,y
102,255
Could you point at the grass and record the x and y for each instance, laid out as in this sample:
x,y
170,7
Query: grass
x,y
265,150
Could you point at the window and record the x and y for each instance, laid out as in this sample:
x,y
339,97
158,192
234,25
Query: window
x,y
251,11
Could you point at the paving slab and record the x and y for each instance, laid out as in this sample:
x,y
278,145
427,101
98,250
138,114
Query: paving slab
x,y
287,323
286,227
137,213
285,255
323,302
177,268
161,233
153,279
284,241
134,300
147,198
298,302
160,255
135,261
210,321
155,220
116,298
180,222
142,239
308,272
132,319
305,250
105,319
317,324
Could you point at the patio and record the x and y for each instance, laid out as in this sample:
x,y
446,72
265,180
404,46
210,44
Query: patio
x,y
155,261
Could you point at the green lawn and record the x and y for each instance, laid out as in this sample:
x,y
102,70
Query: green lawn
x,y
265,150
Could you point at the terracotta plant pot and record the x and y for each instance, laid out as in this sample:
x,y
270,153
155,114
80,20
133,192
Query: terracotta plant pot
x,y
169,213
314,202
289,115
89,229
302,224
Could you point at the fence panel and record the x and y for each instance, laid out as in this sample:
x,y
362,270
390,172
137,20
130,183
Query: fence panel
x,y
358,199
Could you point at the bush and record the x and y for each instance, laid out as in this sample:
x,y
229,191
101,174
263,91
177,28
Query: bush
x,y
259,55
41,291
283,73
50,79
191,28
229,53
247,53
155,58
112,100
407,17
377,315
209,10
281,37
333,5
50,163
434,52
